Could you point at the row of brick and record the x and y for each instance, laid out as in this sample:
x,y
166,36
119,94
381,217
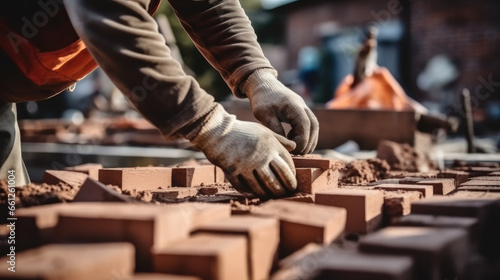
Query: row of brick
x,y
313,174
442,239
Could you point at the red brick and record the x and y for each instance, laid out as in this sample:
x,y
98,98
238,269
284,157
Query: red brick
x,y
174,192
470,225
161,276
193,176
346,263
54,177
497,173
459,176
208,190
94,191
137,178
437,253
442,186
143,225
310,180
350,264
208,256
425,190
302,223
262,235
91,169
454,206
475,171
72,262
318,163
487,210
486,178
481,183
35,225
364,207
397,204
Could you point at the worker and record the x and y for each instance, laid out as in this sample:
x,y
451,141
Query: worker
x,y
46,46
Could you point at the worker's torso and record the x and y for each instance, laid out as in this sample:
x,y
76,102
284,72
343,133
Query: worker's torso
x,y
40,52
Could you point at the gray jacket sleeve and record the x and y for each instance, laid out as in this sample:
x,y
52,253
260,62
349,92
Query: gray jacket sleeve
x,y
222,32
124,40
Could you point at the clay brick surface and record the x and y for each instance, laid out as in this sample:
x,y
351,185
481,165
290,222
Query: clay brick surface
x,y
208,191
454,206
137,178
54,177
487,178
302,223
494,174
143,225
35,225
425,190
311,180
437,253
470,225
208,256
481,183
91,169
306,198
442,186
346,264
487,210
72,262
94,191
174,192
398,204
318,163
458,175
193,176
262,240
364,207
475,171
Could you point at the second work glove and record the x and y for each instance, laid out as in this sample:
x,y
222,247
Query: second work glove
x,y
253,158
273,103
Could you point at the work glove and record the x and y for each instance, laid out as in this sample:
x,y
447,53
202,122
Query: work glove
x,y
254,159
273,103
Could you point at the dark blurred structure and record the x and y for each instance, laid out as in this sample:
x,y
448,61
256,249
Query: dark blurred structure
x,y
461,37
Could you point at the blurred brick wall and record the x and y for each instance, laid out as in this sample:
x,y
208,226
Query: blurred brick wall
x,y
468,31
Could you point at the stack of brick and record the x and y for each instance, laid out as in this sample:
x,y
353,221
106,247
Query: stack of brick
x,y
408,228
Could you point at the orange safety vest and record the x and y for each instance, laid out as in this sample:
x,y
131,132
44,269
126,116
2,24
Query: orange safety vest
x,y
65,66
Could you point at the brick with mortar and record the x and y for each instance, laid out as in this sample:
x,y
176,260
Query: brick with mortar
x,y
262,240
208,256
398,204
425,190
364,207
193,176
174,192
333,164
437,253
302,223
137,178
73,262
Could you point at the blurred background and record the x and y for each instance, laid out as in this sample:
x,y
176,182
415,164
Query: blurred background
x,y
434,49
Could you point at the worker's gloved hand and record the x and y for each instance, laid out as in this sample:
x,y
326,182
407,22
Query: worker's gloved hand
x,y
254,159
273,103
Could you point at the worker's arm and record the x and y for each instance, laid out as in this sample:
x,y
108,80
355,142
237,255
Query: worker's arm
x,y
223,34
124,40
